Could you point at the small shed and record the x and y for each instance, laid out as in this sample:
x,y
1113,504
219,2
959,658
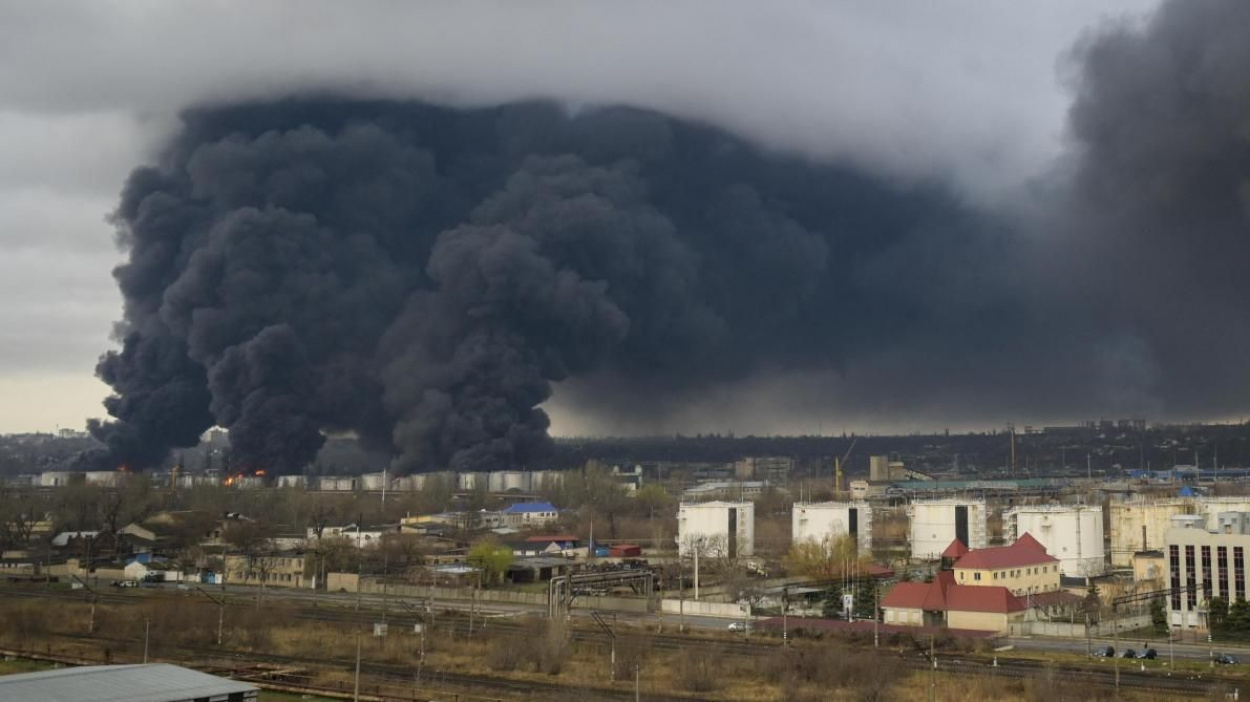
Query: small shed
x,y
625,551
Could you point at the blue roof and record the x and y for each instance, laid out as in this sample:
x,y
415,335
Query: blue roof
x,y
530,507
1187,491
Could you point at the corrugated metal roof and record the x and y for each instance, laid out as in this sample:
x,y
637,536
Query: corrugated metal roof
x,y
153,682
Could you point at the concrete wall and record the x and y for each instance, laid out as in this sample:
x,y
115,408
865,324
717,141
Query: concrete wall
x,y
704,609
1077,631
342,581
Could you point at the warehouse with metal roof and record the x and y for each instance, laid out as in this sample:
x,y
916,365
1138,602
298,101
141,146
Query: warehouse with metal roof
x,y
153,682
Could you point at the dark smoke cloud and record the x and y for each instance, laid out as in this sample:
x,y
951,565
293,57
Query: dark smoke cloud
x,y
424,276
1160,206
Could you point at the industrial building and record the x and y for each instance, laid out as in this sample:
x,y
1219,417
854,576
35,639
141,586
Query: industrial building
x,y
816,521
1139,525
934,524
1203,564
1071,533
151,682
719,529
981,590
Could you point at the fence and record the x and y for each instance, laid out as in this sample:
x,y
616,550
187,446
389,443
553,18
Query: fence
x,y
464,594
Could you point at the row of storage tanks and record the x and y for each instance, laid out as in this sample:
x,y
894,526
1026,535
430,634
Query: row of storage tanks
x,y
1074,534
495,481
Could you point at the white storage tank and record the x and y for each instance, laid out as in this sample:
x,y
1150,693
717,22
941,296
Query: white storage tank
x,y
494,481
541,478
54,478
408,483
1071,533
1139,525
718,529
292,481
816,521
104,478
373,482
934,524
472,481
333,483
516,481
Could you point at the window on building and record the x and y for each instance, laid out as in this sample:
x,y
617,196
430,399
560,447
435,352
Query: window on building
x,y
1221,567
1206,572
1191,578
1239,574
976,576
1174,569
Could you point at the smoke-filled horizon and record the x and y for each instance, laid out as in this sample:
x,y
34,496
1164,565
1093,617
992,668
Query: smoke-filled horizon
x,y
427,277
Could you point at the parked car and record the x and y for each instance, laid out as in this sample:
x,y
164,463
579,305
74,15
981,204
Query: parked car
x,y
1128,653
738,626
1104,652
1149,654
1226,659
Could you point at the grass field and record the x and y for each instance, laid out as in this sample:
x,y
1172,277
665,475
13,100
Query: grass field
x,y
22,666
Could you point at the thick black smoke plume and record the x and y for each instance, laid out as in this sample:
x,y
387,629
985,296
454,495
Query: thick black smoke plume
x,y
422,275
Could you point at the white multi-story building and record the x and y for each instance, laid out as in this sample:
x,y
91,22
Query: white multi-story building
x,y
936,523
1071,533
1202,565
816,521
718,529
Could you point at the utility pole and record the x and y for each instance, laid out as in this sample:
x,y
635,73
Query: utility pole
x,y
356,688
147,629
637,688
1115,623
785,610
603,624
933,669
1088,651
94,598
876,615
698,546
681,598
221,611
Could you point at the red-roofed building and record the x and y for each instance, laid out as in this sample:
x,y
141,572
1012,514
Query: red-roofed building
x,y
1023,568
983,590
945,603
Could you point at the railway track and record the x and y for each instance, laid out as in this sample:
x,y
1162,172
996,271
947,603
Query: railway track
x,y
951,663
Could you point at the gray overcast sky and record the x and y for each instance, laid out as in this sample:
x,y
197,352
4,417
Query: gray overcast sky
x,y
968,88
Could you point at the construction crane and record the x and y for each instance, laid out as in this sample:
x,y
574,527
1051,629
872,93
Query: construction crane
x,y
837,468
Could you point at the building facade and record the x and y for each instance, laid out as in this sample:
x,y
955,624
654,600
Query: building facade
x,y
1202,565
